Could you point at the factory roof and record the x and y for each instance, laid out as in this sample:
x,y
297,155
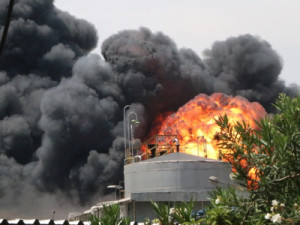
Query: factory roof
x,y
100,205
40,222
178,156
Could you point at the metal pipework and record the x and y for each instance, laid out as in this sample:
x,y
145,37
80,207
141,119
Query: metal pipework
x,y
204,145
130,129
124,124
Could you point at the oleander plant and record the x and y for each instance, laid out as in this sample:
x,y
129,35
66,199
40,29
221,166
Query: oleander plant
x,y
266,162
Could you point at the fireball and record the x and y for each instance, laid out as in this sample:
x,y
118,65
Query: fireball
x,y
194,123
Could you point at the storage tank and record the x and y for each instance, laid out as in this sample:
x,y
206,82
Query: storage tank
x,y
174,177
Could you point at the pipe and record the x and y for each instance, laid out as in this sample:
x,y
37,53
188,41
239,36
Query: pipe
x,y
128,129
6,26
124,124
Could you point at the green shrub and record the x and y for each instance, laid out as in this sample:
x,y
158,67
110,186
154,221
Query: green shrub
x,y
272,153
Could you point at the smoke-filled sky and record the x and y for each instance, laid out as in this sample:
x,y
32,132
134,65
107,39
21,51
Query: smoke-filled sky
x,y
197,24
62,99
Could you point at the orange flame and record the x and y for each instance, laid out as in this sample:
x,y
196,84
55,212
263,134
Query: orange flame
x,y
194,123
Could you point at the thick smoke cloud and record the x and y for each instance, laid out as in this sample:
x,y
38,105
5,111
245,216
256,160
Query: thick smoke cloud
x,y
152,71
43,40
246,66
61,108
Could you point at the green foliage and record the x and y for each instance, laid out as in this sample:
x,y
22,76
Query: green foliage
x,y
229,205
225,207
226,197
183,212
218,216
111,215
125,221
147,221
162,211
266,161
194,222
94,220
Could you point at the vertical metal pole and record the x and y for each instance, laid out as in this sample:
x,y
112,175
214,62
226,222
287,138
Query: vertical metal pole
x,y
6,26
205,147
198,145
124,124
131,138
134,212
128,128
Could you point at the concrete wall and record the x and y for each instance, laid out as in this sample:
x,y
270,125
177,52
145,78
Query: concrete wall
x,y
144,210
173,180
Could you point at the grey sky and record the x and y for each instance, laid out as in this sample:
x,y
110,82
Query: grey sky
x,y
196,24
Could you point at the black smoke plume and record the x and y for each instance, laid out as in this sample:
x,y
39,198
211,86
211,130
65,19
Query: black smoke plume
x,y
61,107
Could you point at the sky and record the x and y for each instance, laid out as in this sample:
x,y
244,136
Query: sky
x,y
197,24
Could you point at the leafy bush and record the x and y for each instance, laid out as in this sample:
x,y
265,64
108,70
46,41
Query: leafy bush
x,y
267,162
110,216
162,211
182,213
94,220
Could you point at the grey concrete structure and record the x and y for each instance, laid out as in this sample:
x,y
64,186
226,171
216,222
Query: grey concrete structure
x,y
175,177
171,178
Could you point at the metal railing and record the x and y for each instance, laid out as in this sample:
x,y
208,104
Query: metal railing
x,y
159,145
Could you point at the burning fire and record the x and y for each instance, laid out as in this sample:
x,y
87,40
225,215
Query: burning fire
x,y
194,123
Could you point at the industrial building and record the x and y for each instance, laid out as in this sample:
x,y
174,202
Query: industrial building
x,y
162,174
